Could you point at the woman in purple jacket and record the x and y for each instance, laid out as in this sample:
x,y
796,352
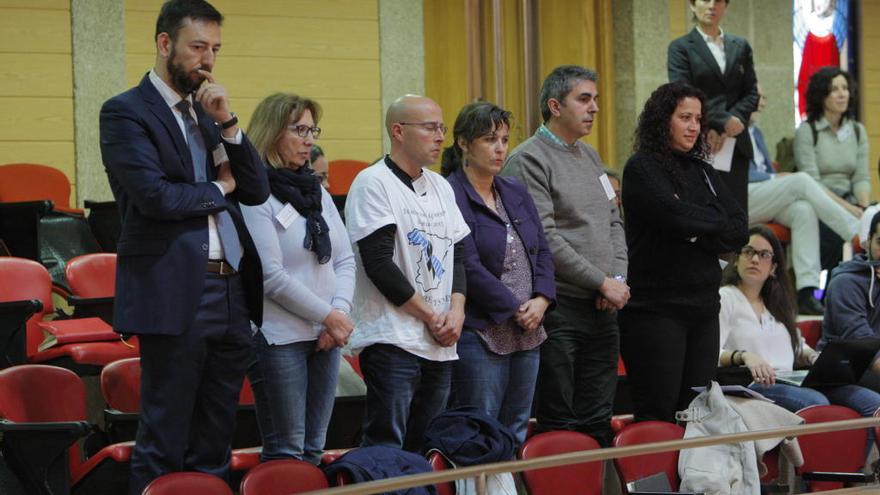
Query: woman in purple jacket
x,y
509,272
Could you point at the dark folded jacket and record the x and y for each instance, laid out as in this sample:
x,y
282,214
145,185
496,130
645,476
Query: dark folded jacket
x,y
379,463
467,437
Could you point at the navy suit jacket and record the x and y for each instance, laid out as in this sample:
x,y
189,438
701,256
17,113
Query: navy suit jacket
x,y
489,300
731,93
163,245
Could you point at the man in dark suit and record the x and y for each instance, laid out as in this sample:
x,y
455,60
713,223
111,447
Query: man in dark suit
x,y
188,276
721,65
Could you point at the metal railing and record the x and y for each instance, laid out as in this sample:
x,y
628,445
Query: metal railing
x,y
481,471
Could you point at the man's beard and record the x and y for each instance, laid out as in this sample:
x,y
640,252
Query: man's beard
x,y
181,79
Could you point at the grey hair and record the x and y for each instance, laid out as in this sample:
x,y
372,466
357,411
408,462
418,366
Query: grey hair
x,y
560,82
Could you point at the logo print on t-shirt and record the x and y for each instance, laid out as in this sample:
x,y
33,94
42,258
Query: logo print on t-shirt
x,y
429,262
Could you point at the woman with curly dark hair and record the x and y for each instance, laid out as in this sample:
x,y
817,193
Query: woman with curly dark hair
x,y
679,218
832,147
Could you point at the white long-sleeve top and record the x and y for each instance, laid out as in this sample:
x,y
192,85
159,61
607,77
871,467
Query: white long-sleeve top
x,y
741,329
298,292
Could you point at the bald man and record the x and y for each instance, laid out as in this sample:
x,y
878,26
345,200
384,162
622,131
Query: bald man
x,y
409,299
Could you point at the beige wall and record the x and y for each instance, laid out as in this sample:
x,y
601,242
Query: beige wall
x,y
869,90
36,84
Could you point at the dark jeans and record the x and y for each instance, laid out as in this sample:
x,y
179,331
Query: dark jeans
x,y
404,393
577,377
665,355
500,386
189,388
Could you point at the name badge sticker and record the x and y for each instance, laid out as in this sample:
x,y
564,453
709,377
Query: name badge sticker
x,y
286,216
220,155
606,185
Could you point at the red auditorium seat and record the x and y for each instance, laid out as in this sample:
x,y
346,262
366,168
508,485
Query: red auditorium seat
x,y
187,483
342,174
92,282
811,330
581,479
438,463
44,411
832,452
637,467
28,280
283,477
29,181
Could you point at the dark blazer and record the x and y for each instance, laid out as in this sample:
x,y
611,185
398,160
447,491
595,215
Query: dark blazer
x,y
489,301
163,246
734,92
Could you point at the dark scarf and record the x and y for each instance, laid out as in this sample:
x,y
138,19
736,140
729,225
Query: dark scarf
x,y
302,189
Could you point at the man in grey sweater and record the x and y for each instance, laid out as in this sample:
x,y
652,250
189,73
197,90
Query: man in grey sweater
x,y
575,200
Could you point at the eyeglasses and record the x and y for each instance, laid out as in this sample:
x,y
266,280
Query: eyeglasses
x,y
431,127
304,130
748,252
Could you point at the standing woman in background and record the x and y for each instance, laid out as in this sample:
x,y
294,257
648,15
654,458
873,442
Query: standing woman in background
x,y
679,218
720,64
832,147
509,271
308,284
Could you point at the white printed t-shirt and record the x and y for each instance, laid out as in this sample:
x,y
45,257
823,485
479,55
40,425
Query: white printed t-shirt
x,y
428,226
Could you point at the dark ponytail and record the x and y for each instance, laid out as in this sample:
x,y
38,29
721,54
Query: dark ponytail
x,y
474,120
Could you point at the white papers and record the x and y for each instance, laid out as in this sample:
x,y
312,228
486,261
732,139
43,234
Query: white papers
x,y
722,160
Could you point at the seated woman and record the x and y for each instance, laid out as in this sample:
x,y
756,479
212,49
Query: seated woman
x,y
509,273
308,284
832,147
758,330
320,165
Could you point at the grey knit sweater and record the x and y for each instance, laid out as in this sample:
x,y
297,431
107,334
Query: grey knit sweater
x,y
582,225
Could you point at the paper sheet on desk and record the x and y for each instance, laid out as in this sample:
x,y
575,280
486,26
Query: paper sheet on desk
x,y
722,160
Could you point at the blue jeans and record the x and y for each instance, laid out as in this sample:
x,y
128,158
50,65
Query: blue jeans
x,y
294,387
860,399
404,393
501,386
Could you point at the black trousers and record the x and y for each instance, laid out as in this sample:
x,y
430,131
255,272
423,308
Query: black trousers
x,y
577,377
665,355
737,180
189,388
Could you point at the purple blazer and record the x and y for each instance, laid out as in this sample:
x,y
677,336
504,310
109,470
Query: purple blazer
x,y
488,300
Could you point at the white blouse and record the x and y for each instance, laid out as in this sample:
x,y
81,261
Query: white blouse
x,y
741,329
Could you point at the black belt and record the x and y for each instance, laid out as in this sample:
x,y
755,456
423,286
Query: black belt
x,y
220,267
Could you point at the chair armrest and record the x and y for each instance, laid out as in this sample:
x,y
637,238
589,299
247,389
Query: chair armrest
x,y
19,222
13,337
839,477
37,453
87,307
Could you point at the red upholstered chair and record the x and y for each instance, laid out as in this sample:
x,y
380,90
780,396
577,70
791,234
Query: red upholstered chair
x,y
328,458
438,463
283,477
44,413
637,467
92,282
581,479
36,220
187,483
833,452
780,231
30,181
811,330
342,174
25,280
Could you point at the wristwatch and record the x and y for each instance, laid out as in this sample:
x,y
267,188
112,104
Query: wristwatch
x,y
229,123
